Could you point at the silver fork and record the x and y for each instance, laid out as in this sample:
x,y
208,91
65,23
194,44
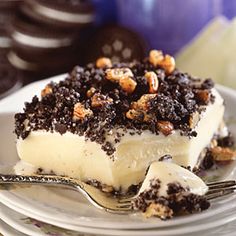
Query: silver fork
x,y
100,199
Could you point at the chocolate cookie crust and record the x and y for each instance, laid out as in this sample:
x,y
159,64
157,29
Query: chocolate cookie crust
x,y
137,96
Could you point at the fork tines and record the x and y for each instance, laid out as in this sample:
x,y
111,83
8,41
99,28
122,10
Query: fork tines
x,y
220,189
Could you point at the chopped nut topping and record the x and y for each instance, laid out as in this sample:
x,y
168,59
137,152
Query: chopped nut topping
x,y
157,209
116,74
223,154
103,62
47,90
91,92
133,114
107,188
152,81
143,102
203,96
168,64
155,57
99,100
139,109
127,84
194,119
80,112
166,127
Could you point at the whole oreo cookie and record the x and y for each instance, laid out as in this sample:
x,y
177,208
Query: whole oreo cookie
x,y
117,43
9,79
48,66
32,71
28,35
61,13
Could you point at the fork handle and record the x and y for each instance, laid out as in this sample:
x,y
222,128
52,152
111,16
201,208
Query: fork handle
x,y
40,179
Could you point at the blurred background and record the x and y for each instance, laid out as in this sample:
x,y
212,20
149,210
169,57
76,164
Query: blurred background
x,y
42,38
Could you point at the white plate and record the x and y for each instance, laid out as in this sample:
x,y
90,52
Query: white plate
x,y
6,230
31,226
34,227
70,209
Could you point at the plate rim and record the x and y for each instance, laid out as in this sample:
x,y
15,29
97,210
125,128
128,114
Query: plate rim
x,y
221,88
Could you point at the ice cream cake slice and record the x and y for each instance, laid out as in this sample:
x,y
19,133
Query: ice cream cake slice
x,y
105,123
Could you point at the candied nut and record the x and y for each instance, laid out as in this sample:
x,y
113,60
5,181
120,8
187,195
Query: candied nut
x,y
133,114
91,92
203,96
103,62
223,154
99,100
127,84
155,57
47,90
157,209
166,127
152,81
168,64
116,74
80,112
139,109
194,119
107,188
143,102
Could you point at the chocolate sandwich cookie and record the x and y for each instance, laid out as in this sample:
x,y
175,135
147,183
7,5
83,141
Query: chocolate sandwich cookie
x,y
8,10
5,41
32,71
61,13
9,4
3,55
117,43
9,80
48,66
27,35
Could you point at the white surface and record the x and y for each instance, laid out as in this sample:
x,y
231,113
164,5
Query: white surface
x,y
7,230
67,209
28,226
18,221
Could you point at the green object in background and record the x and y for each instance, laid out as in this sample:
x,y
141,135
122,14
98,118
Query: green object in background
x,y
212,53
201,57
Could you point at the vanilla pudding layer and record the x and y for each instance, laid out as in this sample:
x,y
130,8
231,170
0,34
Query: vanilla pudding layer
x,y
73,155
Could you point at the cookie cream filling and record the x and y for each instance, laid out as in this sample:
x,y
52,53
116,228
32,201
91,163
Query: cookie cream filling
x,y
76,156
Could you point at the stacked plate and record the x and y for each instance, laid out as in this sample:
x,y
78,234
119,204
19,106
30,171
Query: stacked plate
x,y
36,210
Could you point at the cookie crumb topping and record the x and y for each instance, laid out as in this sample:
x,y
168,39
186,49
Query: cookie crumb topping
x,y
142,95
179,200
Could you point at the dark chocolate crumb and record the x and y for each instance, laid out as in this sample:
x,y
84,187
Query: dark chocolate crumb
x,y
175,188
208,161
175,101
180,200
227,141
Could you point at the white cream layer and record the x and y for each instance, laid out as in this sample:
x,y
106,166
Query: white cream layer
x,y
172,173
72,155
